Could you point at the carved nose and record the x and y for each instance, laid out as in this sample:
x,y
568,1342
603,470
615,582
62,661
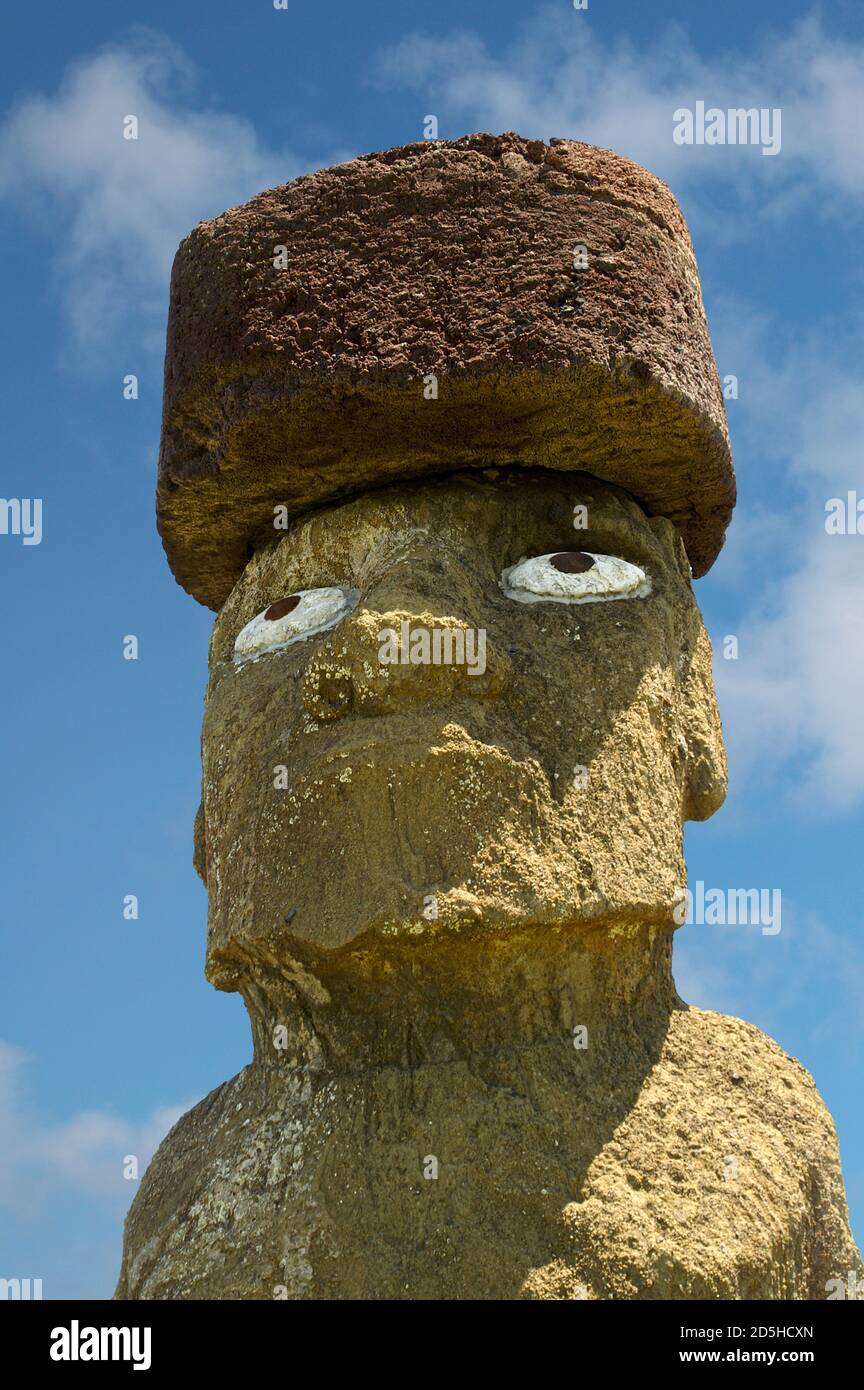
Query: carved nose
x,y
378,663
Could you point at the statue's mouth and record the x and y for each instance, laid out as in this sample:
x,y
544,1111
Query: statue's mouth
x,y
412,742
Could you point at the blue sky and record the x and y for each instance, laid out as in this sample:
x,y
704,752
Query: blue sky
x,y
107,1027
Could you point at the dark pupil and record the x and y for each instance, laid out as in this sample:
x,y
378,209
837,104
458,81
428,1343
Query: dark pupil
x,y
281,607
572,562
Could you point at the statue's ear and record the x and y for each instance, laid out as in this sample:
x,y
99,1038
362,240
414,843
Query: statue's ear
x,y
199,853
705,771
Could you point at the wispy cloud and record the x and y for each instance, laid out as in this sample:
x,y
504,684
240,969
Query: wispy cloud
x,y
559,78
84,1153
112,210
791,702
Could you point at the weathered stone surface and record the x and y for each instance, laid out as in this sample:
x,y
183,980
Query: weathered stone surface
x,y
681,1155
678,1154
297,386
410,780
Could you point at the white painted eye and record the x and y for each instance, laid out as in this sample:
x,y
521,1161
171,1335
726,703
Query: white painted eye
x,y
574,576
302,614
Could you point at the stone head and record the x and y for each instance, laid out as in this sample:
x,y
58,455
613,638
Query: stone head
x,y
365,773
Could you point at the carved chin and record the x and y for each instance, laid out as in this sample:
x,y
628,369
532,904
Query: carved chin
x,y
405,838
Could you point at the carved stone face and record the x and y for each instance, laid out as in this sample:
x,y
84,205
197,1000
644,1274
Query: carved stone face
x,y
537,773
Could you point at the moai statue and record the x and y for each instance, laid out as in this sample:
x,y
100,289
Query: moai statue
x,y
444,444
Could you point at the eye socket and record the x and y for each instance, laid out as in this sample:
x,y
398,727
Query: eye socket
x,y
574,576
292,619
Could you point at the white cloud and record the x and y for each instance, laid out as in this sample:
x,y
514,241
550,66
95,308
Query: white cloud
x,y
791,702
559,78
113,210
83,1154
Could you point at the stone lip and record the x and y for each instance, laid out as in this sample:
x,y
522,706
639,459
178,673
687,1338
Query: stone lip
x,y
298,386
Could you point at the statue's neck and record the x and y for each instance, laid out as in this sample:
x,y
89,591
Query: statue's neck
x,y
465,995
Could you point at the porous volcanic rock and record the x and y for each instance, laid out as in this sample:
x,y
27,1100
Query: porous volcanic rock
x,y
381,757
298,385
502,1098
681,1155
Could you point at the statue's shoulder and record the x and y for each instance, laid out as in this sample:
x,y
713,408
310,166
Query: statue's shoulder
x,y
723,1179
